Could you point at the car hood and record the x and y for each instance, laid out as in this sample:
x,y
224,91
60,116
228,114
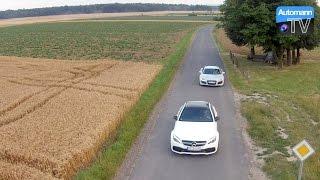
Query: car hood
x,y
195,131
212,77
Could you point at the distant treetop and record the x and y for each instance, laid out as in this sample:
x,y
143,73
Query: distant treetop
x,y
102,8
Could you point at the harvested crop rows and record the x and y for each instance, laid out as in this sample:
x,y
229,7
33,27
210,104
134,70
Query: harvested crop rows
x,y
54,18
55,115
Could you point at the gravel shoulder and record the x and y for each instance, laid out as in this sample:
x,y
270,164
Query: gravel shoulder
x,y
255,164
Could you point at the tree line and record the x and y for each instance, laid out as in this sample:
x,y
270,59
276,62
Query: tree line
x,y
252,23
102,8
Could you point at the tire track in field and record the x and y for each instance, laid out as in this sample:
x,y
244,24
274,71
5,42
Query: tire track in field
x,y
46,95
78,77
24,99
105,91
36,163
31,109
112,86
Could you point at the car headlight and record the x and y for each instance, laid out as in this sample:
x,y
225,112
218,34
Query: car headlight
x,y
212,140
203,79
176,139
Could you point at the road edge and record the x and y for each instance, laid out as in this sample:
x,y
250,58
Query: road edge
x,y
255,171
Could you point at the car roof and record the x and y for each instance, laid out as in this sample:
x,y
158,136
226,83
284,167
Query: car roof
x,y
211,67
203,104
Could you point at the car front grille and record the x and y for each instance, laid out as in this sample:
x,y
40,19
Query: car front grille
x,y
193,143
212,82
209,150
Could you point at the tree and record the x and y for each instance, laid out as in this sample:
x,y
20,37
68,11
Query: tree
x,y
307,41
232,22
252,22
104,8
257,19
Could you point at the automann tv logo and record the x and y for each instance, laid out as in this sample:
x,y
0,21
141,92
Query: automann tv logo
x,y
295,19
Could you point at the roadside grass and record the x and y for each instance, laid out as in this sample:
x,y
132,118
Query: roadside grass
x,y
312,55
109,160
134,41
282,108
226,42
244,51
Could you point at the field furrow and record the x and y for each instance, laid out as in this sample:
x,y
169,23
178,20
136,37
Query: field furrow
x,y
28,106
21,171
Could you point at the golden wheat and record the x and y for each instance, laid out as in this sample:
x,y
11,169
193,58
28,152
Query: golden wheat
x,y
55,115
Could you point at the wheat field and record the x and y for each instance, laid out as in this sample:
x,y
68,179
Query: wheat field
x,y
55,115
68,17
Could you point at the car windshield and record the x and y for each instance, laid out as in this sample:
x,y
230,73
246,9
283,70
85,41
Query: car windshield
x,y
196,114
211,71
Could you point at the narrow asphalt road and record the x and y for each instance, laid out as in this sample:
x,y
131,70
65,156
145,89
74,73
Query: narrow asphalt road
x,y
157,162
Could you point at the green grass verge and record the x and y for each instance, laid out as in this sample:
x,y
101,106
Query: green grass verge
x,y
111,158
287,99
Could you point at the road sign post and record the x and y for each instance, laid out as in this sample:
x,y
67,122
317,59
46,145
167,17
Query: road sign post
x,y
300,170
303,150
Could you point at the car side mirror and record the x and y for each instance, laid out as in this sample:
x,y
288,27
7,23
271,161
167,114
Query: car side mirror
x,y
201,70
223,72
175,117
217,118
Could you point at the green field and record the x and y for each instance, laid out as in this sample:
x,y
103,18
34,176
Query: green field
x,y
142,41
286,102
175,17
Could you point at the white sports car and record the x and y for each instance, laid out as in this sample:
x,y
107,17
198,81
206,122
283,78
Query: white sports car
x,y
211,76
195,130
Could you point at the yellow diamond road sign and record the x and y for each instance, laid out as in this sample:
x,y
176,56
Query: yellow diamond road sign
x,y
303,150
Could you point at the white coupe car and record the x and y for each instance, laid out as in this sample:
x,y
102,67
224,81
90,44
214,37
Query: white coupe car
x,y
211,76
195,130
